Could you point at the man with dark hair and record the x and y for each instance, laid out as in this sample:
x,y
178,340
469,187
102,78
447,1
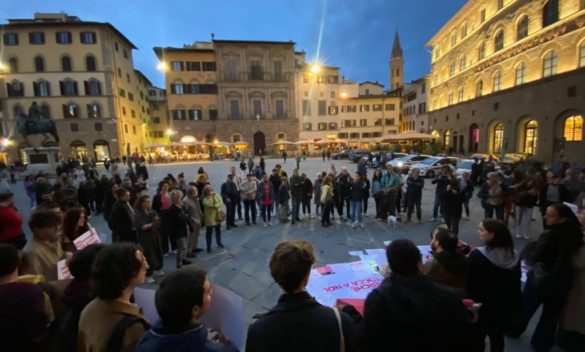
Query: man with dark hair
x,y
296,192
230,195
409,312
298,322
276,181
110,322
122,218
43,251
182,299
446,266
23,317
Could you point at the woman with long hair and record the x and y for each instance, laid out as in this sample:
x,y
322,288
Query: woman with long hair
x,y
147,225
492,197
552,273
161,204
494,281
377,190
74,225
327,200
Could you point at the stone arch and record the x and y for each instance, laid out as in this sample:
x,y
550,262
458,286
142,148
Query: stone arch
x,y
527,134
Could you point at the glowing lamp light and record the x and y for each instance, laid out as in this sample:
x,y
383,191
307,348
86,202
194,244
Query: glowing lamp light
x,y
170,132
4,142
162,66
343,95
3,67
315,68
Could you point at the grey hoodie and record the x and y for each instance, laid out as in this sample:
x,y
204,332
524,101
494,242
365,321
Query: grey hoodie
x,y
500,257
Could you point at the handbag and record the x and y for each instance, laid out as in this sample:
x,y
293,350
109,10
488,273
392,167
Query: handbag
x,y
546,279
220,214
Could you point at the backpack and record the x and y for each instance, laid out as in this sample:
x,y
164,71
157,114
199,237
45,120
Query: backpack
x,y
117,336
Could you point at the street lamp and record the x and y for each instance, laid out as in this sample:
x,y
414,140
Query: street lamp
x,y
315,68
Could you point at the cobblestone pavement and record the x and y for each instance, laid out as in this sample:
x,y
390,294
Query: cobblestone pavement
x,y
243,265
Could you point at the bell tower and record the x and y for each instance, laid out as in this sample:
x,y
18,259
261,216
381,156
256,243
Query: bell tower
x,y
396,65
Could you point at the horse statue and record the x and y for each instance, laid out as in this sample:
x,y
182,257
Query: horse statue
x,y
35,123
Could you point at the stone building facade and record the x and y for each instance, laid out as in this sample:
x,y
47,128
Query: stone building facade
x,y
82,76
241,92
508,77
415,116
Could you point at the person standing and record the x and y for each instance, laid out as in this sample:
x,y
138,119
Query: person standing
x,y
342,192
390,189
442,181
307,196
262,164
377,191
466,184
237,180
161,203
122,218
323,154
298,160
248,190
179,227
212,204
326,200
317,194
357,198
284,155
452,202
265,197
29,188
328,154
276,181
147,225
492,197
251,164
296,192
10,221
366,194
414,187
283,200
192,206
494,281
229,195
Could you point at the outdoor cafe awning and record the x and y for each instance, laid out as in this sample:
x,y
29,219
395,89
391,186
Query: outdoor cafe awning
x,y
283,142
329,141
406,136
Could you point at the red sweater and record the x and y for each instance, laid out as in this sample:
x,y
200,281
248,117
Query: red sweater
x,y
10,223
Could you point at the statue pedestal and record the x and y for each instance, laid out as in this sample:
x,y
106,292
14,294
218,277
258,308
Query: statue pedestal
x,y
45,159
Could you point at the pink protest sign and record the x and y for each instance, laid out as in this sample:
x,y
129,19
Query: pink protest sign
x,y
88,238
63,270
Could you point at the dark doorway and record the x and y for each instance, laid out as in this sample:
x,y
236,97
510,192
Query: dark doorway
x,y
473,138
461,140
455,142
259,143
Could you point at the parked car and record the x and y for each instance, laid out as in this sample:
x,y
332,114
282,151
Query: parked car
x,y
430,166
408,160
463,165
358,154
344,154
392,155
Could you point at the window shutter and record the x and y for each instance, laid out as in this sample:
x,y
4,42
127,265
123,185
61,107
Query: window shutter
x,y
86,87
99,87
173,90
9,89
36,89
62,87
76,92
65,111
89,111
48,85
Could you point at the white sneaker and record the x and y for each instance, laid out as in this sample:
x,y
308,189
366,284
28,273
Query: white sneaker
x,y
361,225
433,219
270,223
265,224
353,226
518,235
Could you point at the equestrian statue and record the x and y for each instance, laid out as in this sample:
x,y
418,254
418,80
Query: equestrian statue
x,y
35,123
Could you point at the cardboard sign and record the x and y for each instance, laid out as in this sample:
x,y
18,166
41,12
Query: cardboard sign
x,y
88,238
63,272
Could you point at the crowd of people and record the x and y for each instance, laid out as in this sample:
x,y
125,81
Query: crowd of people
x,y
453,302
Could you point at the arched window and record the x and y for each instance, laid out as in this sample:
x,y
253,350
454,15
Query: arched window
x,y
550,12
90,63
522,28
39,64
481,51
530,137
101,150
94,111
498,138
13,65
68,87
479,88
520,73
460,93
573,128
497,81
582,54
550,64
462,63
446,139
454,38
464,30
92,87
499,41
17,110
41,88
66,64
46,111
15,89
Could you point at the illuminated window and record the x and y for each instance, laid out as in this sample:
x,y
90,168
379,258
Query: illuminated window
x,y
520,74
462,63
446,139
573,130
498,138
450,98
530,137
479,88
464,30
550,12
550,64
522,28
481,51
582,55
460,95
497,81
452,68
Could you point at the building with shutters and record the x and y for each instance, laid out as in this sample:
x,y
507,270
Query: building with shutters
x,y
508,76
235,91
82,75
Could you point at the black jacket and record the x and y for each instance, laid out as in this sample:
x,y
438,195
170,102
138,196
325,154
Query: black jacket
x,y
299,323
296,186
122,223
177,222
229,190
276,182
413,314
452,204
564,196
307,190
414,187
357,190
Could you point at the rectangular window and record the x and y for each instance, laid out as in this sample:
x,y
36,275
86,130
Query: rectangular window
x,y
279,105
209,66
482,16
177,88
234,110
93,111
390,107
88,37
256,108
195,115
212,114
459,96
193,66
177,66
322,109
377,107
582,55
63,37
389,122
354,135
178,114
133,113
306,108
126,129
156,120
130,96
74,127
10,39
125,54
68,88
36,38
122,93
551,62
363,123
278,71
256,71
231,70
98,127
128,77
70,111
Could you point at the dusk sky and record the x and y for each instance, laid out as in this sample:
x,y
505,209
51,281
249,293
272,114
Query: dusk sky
x,y
355,35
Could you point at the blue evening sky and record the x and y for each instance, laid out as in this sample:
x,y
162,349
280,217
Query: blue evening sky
x,y
355,35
